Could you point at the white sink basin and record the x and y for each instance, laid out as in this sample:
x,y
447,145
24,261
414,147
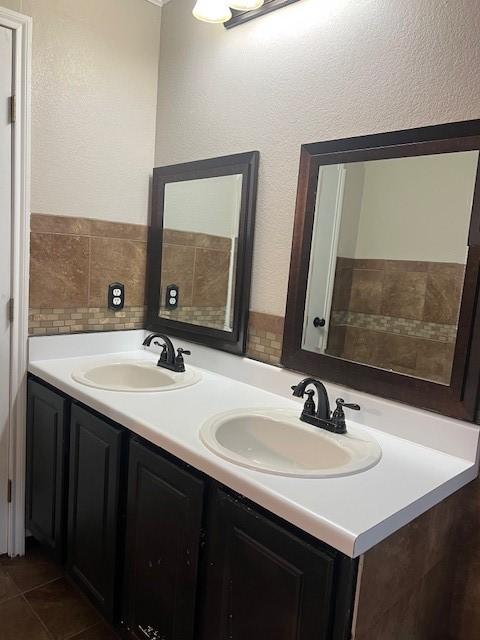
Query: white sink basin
x,y
276,441
135,376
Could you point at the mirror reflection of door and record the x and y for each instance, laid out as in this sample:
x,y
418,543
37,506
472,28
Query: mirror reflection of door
x,y
396,232
199,245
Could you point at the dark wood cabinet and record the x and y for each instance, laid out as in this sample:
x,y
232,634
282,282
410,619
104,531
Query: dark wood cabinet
x,y
261,580
136,541
47,439
94,506
164,518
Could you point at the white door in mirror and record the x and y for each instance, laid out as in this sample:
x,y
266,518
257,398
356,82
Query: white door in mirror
x,y
276,441
135,376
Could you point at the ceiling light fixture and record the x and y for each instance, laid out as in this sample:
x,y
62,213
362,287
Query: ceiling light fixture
x,y
246,5
215,11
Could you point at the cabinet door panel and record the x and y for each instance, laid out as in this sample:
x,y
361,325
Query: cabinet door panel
x,y
164,514
95,459
46,467
262,581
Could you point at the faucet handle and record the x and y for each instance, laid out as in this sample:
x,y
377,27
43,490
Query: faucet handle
x,y
179,362
348,405
163,355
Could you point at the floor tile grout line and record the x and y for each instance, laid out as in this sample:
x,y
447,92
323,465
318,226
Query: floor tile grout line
x,y
77,633
8,598
43,584
49,633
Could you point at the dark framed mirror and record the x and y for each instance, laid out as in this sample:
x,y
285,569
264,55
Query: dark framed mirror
x,y
384,274
200,250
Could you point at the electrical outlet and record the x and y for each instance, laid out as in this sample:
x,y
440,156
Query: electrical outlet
x,y
116,296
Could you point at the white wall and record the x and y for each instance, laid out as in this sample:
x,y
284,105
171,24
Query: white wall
x,y
417,208
209,205
315,70
94,92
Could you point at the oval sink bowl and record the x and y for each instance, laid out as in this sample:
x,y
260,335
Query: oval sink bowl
x,y
276,441
135,376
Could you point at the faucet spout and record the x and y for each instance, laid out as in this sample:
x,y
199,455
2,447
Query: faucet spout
x,y
323,403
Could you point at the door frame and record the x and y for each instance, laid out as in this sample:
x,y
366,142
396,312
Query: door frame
x,y
21,26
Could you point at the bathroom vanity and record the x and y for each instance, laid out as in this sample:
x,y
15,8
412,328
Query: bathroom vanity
x,y
170,539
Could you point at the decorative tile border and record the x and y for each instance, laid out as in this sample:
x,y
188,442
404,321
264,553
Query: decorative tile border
x,y
44,322
401,326
204,316
265,337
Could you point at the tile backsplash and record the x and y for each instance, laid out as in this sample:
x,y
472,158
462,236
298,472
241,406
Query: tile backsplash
x,y
73,260
397,314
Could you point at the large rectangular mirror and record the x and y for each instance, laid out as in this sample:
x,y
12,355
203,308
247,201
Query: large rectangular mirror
x,y
386,282
200,249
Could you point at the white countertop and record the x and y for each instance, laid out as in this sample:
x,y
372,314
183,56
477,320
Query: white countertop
x,y
352,514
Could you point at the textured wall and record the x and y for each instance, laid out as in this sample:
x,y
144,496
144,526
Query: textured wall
x,y
311,71
94,93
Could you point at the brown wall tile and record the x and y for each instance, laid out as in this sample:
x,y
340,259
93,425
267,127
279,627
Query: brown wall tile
x,y
210,279
406,588
404,294
367,288
123,230
115,260
59,267
72,225
194,239
177,268
342,289
43,223
434,360
443,297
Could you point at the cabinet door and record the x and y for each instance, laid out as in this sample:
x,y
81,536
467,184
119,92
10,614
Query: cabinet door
x,y
93,506
262,581
46,467
164,513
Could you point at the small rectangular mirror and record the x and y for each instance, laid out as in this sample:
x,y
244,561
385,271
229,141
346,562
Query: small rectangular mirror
x,y
200,249
384,276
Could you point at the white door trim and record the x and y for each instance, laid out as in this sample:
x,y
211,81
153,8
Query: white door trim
x,y
22,61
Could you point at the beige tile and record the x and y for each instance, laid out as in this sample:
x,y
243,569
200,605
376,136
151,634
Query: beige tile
x,y
116,260
58,270
62,609
266,322
210,278
18,622
404,294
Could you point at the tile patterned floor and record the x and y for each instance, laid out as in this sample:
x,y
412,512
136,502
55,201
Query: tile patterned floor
x,y
37,602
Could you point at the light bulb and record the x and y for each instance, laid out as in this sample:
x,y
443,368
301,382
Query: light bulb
x,y
212,11
245,5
